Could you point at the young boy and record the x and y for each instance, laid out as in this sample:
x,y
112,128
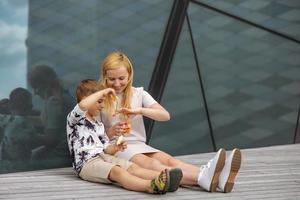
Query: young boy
x,y
92,154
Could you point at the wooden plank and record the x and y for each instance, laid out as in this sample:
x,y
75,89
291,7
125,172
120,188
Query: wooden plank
x,y
266,173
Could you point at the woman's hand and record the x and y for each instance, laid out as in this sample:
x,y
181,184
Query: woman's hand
x,y
126,111
118,129
155,112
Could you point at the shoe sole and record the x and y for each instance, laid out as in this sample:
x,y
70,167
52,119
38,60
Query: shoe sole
x,y
219,166
235,167
175,176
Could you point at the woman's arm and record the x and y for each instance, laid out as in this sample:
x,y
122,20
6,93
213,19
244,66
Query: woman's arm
x,y
155,112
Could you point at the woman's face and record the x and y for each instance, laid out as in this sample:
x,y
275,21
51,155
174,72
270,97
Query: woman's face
x,y
117,79
41,91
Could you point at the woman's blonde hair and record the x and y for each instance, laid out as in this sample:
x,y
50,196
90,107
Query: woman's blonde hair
x,y
113,61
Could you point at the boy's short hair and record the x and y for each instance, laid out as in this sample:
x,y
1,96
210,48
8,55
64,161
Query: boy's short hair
x,y
4,106
87,87
20,100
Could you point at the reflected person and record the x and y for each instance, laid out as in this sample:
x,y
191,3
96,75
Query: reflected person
x,y
57,102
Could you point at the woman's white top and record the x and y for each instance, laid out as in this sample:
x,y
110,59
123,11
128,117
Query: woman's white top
x,y
136,140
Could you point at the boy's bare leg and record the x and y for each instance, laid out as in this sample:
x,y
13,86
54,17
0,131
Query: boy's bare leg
x,y
143,173
129,181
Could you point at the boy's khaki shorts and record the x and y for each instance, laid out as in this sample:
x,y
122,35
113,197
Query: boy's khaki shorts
x,y
97,169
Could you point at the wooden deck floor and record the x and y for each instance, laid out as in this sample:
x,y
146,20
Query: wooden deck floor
x,y
266,173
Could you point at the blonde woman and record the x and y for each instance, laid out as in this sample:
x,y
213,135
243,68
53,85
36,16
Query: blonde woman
x,y
117,73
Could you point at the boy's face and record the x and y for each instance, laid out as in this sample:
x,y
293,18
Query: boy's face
x,y
96,108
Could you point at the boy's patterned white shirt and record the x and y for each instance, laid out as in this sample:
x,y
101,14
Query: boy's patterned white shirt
x,y
86,139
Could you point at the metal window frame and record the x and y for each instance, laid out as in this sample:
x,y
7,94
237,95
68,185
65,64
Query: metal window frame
x,y
297,126
165,55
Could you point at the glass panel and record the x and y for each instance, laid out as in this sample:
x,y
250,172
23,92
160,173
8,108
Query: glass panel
x,y
251,79
13,49
187,132
281,16
68,39
75,41
13,74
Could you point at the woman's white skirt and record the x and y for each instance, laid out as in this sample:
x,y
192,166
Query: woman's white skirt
x,y
135,147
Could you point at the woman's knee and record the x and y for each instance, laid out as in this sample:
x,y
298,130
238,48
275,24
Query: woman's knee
x,y
133,168
172,162
166,159
153,162
146,162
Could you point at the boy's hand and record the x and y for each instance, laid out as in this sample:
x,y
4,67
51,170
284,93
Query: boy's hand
x,y
114,148
107,91
122,146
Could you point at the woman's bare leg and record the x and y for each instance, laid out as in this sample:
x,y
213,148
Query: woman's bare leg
x,y
190,172
147,162
155,161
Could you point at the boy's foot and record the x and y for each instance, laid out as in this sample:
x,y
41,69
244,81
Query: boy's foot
x,y
230,170
160,184
209,174
175,176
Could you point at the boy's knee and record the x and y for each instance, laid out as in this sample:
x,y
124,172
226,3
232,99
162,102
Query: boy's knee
x,y
115,172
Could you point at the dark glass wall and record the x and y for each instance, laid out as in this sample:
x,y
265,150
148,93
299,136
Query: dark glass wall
x,y
234,78
249,77
62,43
188,130
247,54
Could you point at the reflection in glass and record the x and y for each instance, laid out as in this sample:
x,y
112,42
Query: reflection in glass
x,y
60,44
187,132
33,139
251,78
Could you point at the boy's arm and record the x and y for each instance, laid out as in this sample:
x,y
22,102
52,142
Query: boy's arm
x,y
114,148
87,102
75,115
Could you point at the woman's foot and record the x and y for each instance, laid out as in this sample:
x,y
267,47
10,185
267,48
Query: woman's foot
x,y
230,170
160,184
209,174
